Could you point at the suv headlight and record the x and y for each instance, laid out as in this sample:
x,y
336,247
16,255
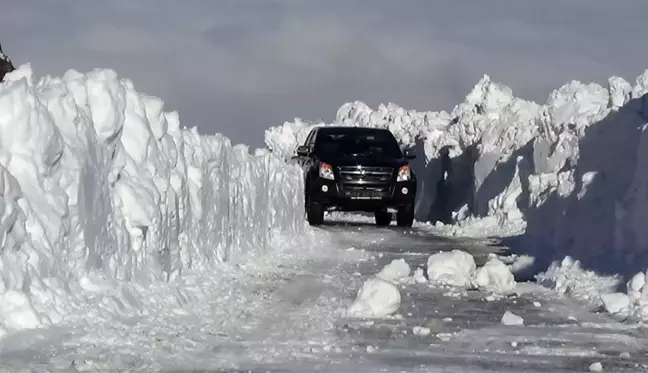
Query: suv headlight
x,y
404,173
326,171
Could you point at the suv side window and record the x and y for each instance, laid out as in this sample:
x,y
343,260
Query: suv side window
x,y
310,140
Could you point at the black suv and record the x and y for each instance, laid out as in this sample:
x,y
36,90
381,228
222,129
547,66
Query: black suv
x,y
357,169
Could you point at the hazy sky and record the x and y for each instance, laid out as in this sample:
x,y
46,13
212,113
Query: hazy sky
x,y
238,67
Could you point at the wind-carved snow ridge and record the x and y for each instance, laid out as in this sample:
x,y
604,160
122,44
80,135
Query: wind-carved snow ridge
x,y
99,184
567,175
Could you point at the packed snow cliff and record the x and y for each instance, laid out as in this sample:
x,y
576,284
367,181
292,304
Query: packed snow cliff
x,y
98,183
569,174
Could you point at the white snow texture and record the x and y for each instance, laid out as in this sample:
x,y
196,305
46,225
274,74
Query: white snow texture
x,y
572,172
98,183
453,268
376,298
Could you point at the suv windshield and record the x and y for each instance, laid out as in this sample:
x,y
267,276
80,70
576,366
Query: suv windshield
x,y
357,143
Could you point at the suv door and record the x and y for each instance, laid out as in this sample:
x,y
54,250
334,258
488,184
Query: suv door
x,y
305,161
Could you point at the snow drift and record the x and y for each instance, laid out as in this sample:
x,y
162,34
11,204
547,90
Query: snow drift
x,y
97,182
571,172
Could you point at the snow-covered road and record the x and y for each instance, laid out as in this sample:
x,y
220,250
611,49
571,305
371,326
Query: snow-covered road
x,y
285,312
466,330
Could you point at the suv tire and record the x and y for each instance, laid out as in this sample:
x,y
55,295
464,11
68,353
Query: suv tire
x,y
405,216
383,218
315,213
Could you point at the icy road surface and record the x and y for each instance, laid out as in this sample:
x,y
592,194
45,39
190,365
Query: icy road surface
x,y
285,312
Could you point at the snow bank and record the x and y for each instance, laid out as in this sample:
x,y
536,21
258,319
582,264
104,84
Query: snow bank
x,y
571,171
570,278
283,140
99,184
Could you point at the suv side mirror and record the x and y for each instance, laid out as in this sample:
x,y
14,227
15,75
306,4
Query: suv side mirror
x,y
302,151
409,153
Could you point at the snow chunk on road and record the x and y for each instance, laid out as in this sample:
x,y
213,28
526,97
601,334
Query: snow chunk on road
x,y
511,319
495,276
395,271
421,331
419,276
458,268
633,304
455,268
376,298
596,367
618,304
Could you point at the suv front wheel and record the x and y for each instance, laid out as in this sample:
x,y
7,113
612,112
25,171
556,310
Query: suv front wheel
x,y
314,213
383,217
405,216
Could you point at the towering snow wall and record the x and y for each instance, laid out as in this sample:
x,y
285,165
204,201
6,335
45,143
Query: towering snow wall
x,y
573,169
96,180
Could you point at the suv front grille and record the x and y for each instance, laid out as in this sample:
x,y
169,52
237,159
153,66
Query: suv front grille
x,y
361,180
360,175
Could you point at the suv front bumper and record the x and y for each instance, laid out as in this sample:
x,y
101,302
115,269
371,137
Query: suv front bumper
x,y
334,195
